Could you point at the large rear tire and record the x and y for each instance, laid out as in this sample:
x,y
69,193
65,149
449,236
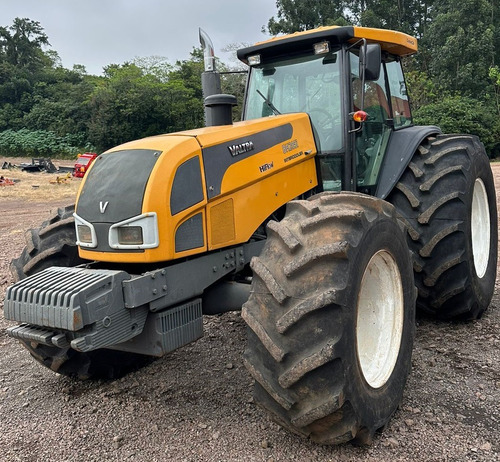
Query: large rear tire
x,y
331,318
447,199
54,244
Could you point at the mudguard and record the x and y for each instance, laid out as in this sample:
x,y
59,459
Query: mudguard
x,y
402,146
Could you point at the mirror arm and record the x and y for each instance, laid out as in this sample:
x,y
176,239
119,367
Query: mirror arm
x,y
362,68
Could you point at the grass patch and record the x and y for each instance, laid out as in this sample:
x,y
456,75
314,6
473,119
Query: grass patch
x,y
38,186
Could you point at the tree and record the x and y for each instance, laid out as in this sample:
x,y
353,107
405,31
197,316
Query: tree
x,y
409,16
157,66
59,102
184,101
45,107
120,106
495,78
132,102
298,15
459,47
21,44
421,89
21,60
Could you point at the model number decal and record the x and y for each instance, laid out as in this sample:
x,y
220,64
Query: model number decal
x,y
287,147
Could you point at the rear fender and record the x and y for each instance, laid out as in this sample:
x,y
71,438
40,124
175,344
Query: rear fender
x,y
402,146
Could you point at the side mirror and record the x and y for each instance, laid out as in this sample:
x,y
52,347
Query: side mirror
x,y
370,58
370,61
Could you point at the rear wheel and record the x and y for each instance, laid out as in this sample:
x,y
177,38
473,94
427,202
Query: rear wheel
x,y
54,244
331,318
447,199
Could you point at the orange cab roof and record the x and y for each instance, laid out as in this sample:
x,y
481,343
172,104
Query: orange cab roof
x,y
393,42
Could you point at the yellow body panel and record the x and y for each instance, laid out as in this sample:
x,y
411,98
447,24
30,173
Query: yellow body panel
x,y
252,185
254,203
175,150
394,42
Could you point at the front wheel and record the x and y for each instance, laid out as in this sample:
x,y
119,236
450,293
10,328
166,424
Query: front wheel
x,y
331,318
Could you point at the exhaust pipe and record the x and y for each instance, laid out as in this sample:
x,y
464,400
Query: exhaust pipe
x,y
218,107
208,51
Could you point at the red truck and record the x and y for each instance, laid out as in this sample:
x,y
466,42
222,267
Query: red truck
x,y
83,163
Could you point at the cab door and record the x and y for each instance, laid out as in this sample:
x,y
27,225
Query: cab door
x,y
388,109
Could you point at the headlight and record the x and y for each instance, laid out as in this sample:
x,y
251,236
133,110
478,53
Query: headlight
x,y
85,233
254,60
130,235
139,232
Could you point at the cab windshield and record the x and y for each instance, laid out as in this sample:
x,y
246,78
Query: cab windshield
x,y
83,160
304,84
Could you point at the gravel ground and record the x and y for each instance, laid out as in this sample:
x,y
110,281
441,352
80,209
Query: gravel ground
x,y
196,403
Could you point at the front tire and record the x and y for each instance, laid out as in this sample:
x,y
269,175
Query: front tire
x,y
54,244
447,199
331,318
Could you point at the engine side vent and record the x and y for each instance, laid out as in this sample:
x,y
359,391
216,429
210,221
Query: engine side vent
x,y
222,222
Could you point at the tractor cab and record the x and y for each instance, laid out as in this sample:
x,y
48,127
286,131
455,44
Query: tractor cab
x,y
352,88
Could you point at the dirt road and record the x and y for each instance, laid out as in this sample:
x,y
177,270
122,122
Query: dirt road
x,y
195,404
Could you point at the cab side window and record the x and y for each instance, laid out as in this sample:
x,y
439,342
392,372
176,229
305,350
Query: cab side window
x,y
399,97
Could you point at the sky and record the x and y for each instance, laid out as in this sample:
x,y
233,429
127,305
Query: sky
x,y
95,33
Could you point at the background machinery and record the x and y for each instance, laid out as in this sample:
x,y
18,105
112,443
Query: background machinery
x,y
325,196
83,163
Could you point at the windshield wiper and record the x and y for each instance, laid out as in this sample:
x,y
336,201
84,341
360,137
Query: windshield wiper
x,y
270,105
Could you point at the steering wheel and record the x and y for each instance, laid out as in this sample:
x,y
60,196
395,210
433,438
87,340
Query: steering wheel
x,y
322,120
327,128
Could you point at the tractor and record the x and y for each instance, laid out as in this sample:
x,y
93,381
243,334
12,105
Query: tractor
x,y
325,215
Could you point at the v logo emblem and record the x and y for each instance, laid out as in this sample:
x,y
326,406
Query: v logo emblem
x,y
103,205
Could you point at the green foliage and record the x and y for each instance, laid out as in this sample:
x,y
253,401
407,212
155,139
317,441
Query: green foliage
x,y
234,77
21,44
41,102
453,81
410,16
457,114
41,143
459,46
297,15
494,75
133,102
421,89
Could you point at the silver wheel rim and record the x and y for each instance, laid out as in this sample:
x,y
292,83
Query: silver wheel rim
x,y
379,325
480,228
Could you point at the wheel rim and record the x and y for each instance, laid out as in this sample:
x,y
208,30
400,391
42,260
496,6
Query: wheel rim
x,y
379,324
480,228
